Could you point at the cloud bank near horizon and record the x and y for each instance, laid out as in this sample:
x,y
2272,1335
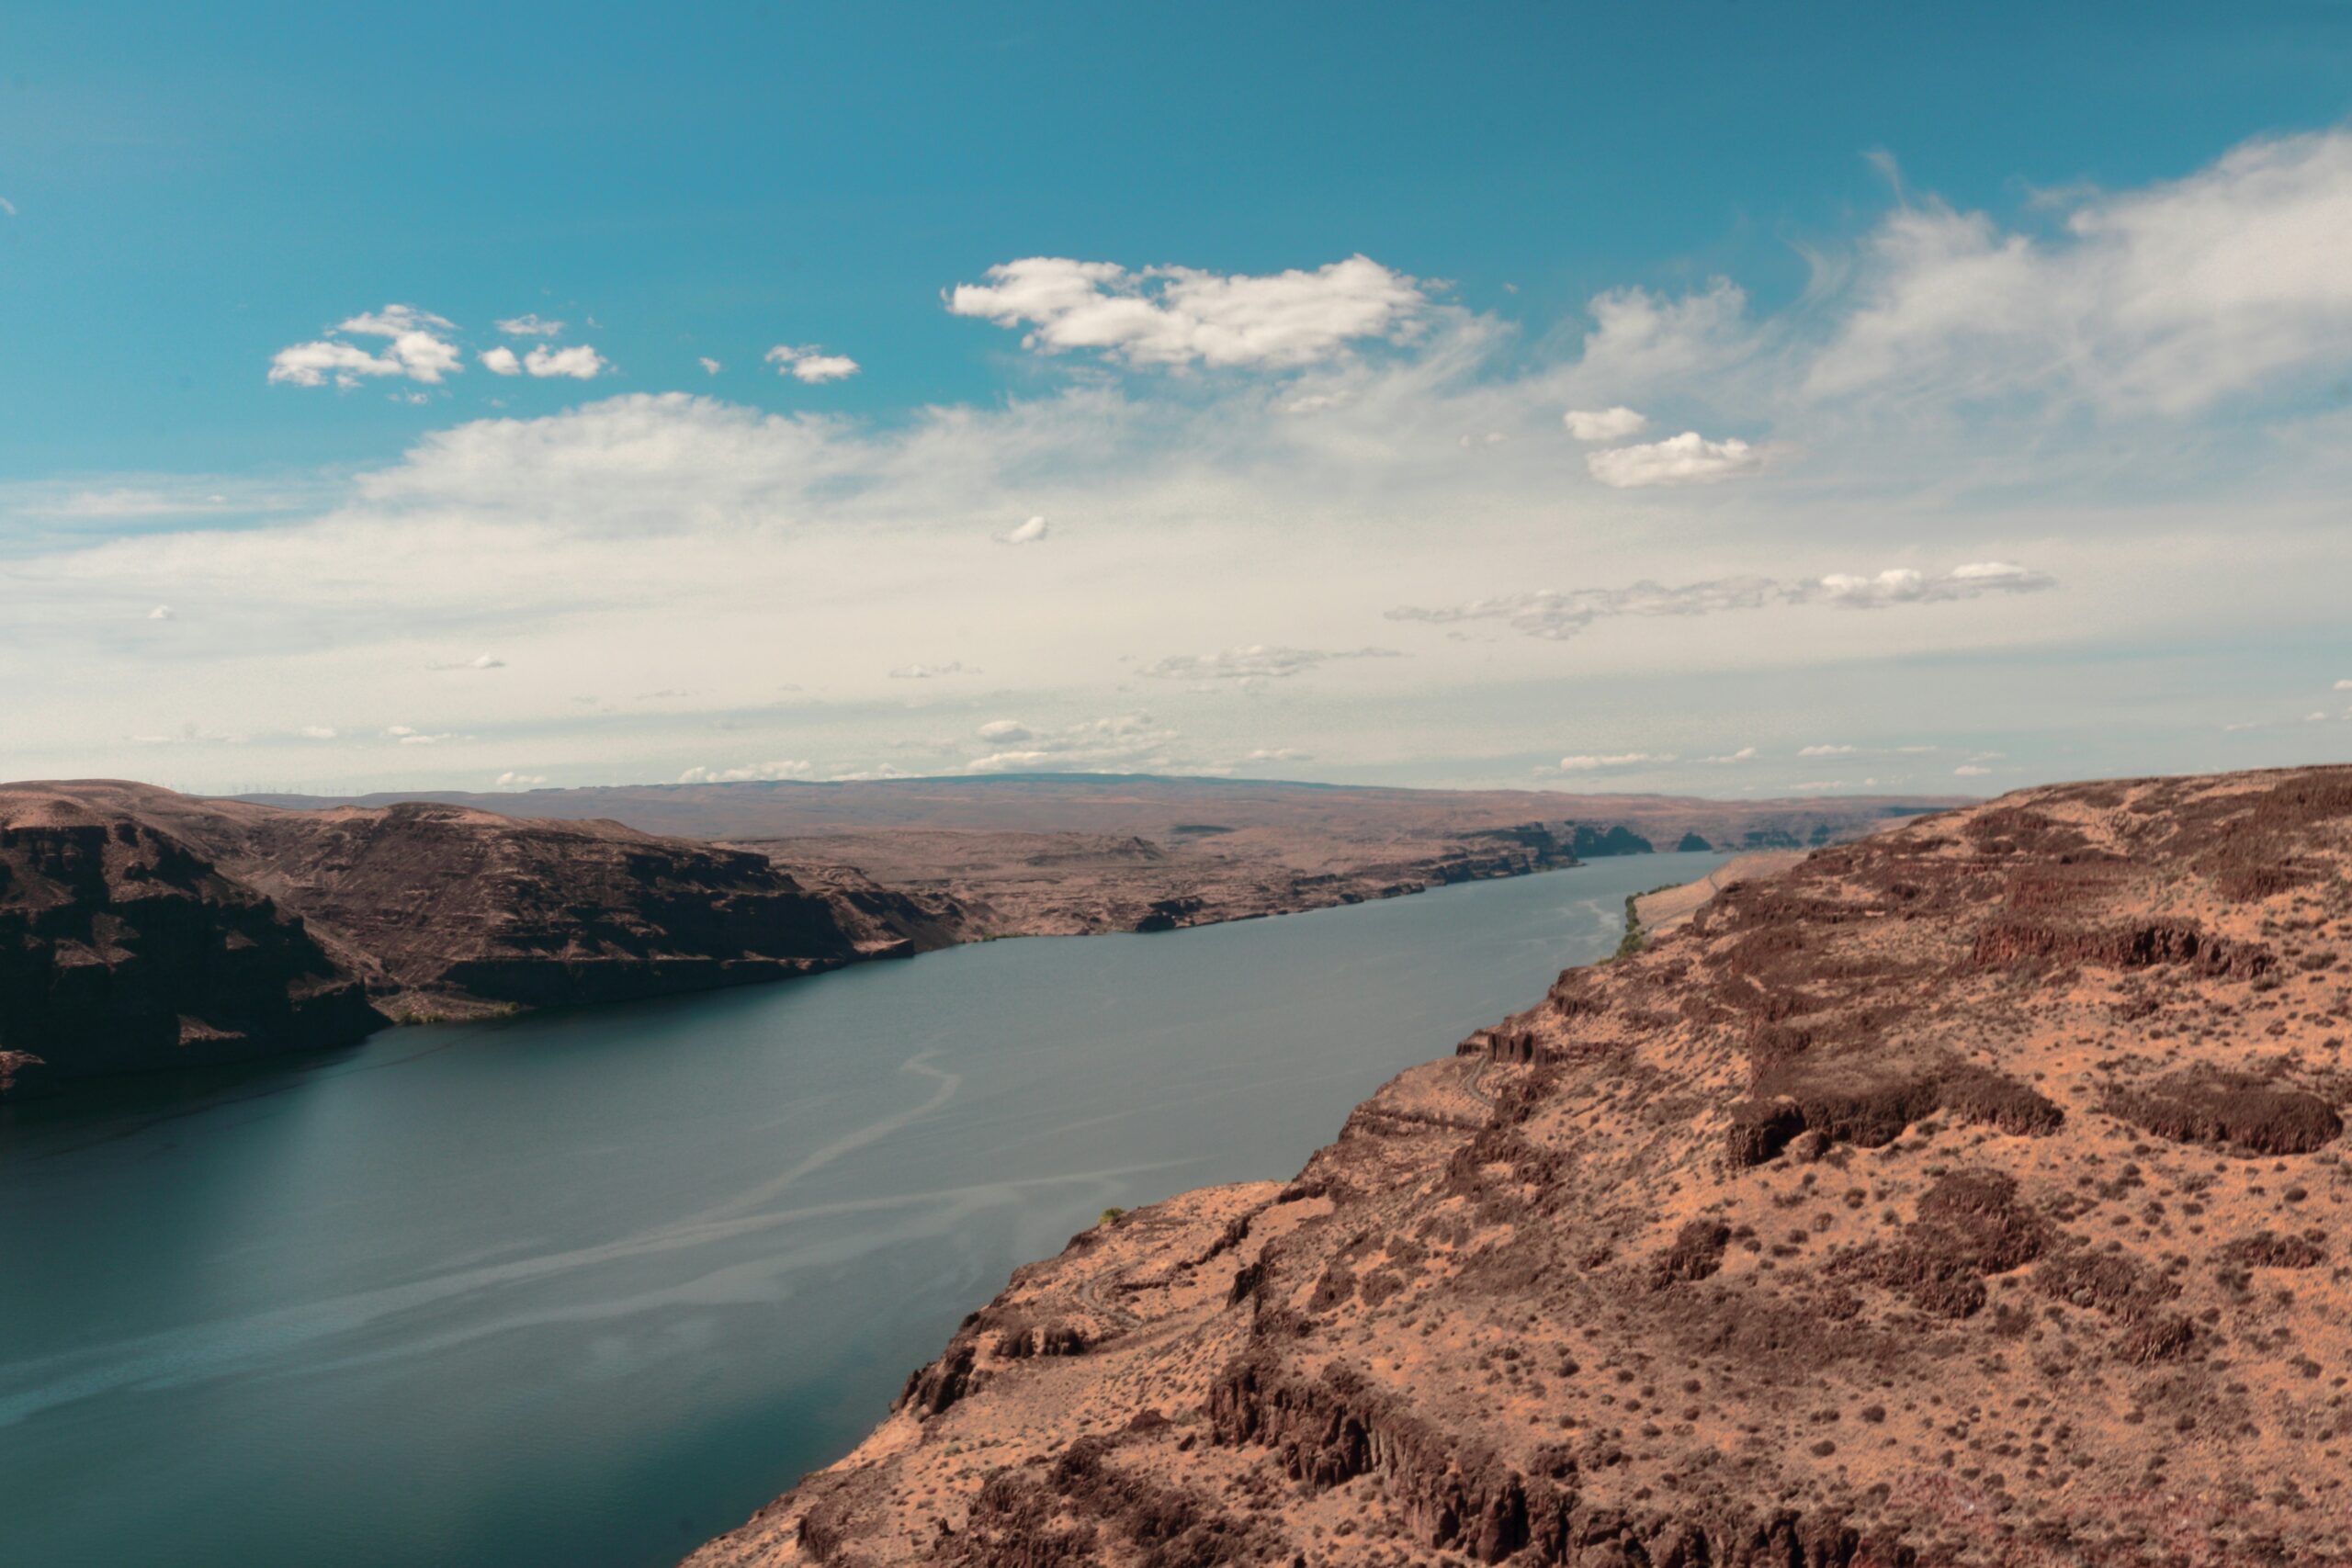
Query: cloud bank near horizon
x,y
2055,449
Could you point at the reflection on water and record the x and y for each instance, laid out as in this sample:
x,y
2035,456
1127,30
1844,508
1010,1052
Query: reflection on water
x,y
584,1288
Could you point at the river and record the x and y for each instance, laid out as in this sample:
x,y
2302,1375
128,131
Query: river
x,y
583,1288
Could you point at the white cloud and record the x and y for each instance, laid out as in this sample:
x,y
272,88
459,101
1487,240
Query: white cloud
x,y
578,363
811,364
163,613
2162,298
1612,763
123,504
1257,662
501,361
1969,771
528,325
1746,753
1027,533
1127,742
1556,615
710,367
512,780
1689,459
481,661
2344,685
1003,729
1825,750
1604,424
7,207
415,348
1904,585
748,773
318,732
931,672
1472,443
1165,316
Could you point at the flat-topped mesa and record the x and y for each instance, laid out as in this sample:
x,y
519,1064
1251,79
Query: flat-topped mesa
x,y
1972,1194
439,904
141,930
122,948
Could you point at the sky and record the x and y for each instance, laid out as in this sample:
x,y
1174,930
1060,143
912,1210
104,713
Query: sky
x,y
1737,399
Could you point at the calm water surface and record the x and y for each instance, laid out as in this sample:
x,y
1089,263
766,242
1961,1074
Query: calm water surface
x,y
583,1289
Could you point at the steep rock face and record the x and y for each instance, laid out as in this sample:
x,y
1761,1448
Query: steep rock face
x,y
437,904
1973,1193
140,929
124,949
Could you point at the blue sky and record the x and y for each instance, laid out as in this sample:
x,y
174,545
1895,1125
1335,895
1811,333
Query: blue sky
x,y
1845,235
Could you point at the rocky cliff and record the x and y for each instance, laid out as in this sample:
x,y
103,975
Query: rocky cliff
x,y
1973,1193
124,947
140,929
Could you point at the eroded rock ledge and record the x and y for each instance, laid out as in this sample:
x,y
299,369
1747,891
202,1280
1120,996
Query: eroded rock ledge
x,y
1970,1194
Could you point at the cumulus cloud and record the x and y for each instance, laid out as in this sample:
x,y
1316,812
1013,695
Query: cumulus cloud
x,y
416,348
163,613
1259,662
578,363
1746,753
1617,763
1604,424
528,325
512,780
710,367
1166,316
501,361
1825,750
1027,533
749,772
811,364
2344,685
1548,612
1689,459
1005,729
1969,771
931,672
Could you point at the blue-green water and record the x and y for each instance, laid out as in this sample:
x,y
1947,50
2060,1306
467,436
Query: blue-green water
x,y
583,1289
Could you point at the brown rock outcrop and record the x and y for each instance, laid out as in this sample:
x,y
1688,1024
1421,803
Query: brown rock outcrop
x,y
140,929
1844,1224
123,948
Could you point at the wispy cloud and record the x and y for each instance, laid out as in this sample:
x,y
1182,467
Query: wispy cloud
x,y
1259,662
748,773
1558,615
1621,761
